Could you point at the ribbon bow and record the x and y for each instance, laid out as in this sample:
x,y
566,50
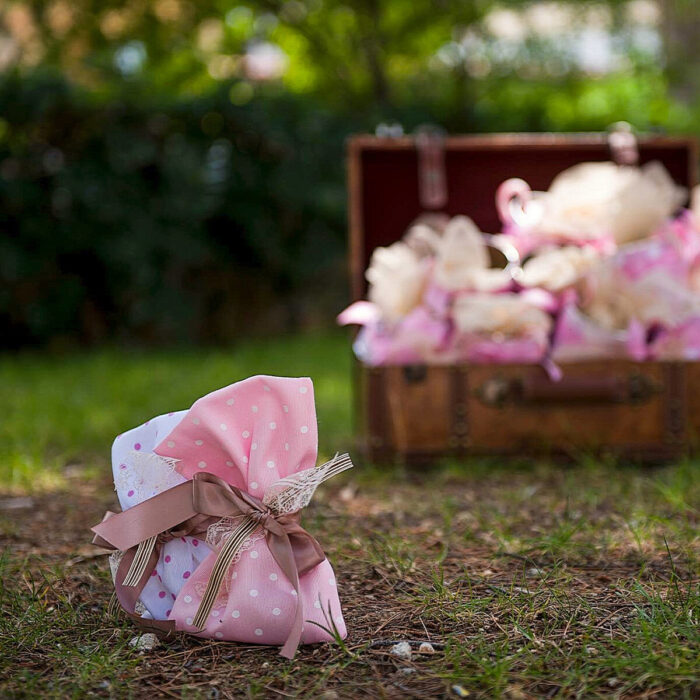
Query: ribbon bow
x,y
189,509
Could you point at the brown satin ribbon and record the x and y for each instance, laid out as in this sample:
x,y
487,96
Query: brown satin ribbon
x,y
189,509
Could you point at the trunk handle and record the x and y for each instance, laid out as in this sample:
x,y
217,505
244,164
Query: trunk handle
x,y
539,389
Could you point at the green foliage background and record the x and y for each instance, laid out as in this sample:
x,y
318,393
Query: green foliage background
x,y
151,190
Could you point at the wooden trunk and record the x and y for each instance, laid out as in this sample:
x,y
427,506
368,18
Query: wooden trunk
x,y
648,411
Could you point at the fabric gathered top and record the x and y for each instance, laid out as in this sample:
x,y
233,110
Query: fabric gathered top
x,y
604,264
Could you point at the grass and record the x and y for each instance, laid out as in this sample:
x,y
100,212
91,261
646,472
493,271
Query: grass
x,y
65,410
530,580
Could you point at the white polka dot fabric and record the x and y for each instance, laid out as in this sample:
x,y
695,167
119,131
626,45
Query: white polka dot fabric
x,y
250,434
138,478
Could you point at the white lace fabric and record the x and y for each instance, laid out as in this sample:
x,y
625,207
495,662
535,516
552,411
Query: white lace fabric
x,y
222,529
294,492
288,495
149,474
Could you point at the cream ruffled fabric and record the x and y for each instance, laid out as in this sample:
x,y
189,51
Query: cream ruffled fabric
x,y
555,269
424,234
462,260
397,278
505,315
595,199
656,298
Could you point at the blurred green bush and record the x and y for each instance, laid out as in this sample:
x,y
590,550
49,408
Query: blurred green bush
x,y
125,220
152,188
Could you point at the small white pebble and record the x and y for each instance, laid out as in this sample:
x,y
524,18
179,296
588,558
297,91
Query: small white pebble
x,y
426,648
145,642
402,650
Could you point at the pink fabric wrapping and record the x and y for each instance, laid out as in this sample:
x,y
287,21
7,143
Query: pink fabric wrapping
x,y
438,300
578,338
421,336
682,234
528,240
482,349
361,313
655,255
542,299
251,434
681,342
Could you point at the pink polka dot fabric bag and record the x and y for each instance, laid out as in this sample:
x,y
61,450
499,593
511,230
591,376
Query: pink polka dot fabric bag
x,y
209,539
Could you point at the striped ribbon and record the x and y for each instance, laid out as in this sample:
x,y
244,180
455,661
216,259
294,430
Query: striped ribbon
x,y
223,561
138,565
